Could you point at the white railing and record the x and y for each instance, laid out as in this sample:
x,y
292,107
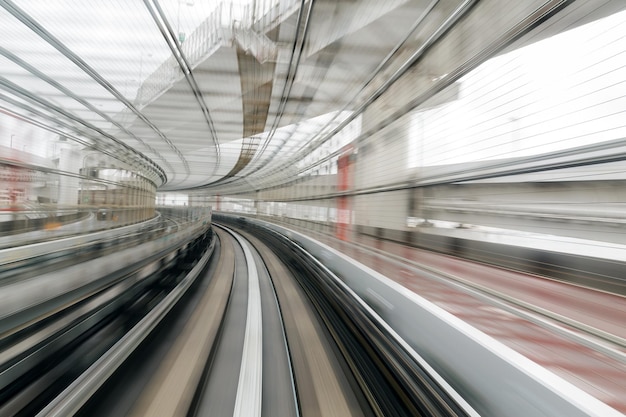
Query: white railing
x,y
221,29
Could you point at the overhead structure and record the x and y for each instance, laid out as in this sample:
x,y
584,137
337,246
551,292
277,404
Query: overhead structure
x,y
194,92
235,95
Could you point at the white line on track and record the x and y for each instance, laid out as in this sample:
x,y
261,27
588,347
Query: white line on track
x,y
249,389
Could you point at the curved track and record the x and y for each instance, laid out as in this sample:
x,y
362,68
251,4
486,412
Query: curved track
x,y
253,326
261,331
244,344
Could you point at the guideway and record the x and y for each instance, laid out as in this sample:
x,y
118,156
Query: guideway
x,y
254,326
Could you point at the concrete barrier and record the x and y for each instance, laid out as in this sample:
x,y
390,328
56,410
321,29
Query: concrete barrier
x,y
494,379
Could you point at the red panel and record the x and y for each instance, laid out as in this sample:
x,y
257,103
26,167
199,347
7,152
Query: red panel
x,y
344,183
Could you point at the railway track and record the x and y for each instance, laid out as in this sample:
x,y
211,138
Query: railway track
x,y
262,330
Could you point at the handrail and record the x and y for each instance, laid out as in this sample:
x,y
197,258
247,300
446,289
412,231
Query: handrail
x,y
81,390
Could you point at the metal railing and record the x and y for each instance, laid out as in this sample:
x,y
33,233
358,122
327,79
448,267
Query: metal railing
x,y
219,29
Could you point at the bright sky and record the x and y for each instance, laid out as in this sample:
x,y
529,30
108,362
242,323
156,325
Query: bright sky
x,y
562,92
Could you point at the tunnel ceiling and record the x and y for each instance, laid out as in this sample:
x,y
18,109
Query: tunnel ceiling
x,y
210,95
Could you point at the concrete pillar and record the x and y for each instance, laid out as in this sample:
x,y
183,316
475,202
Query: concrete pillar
x,y
69,161
382,159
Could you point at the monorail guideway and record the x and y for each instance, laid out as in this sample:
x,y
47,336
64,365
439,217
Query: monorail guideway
x,y
249,340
